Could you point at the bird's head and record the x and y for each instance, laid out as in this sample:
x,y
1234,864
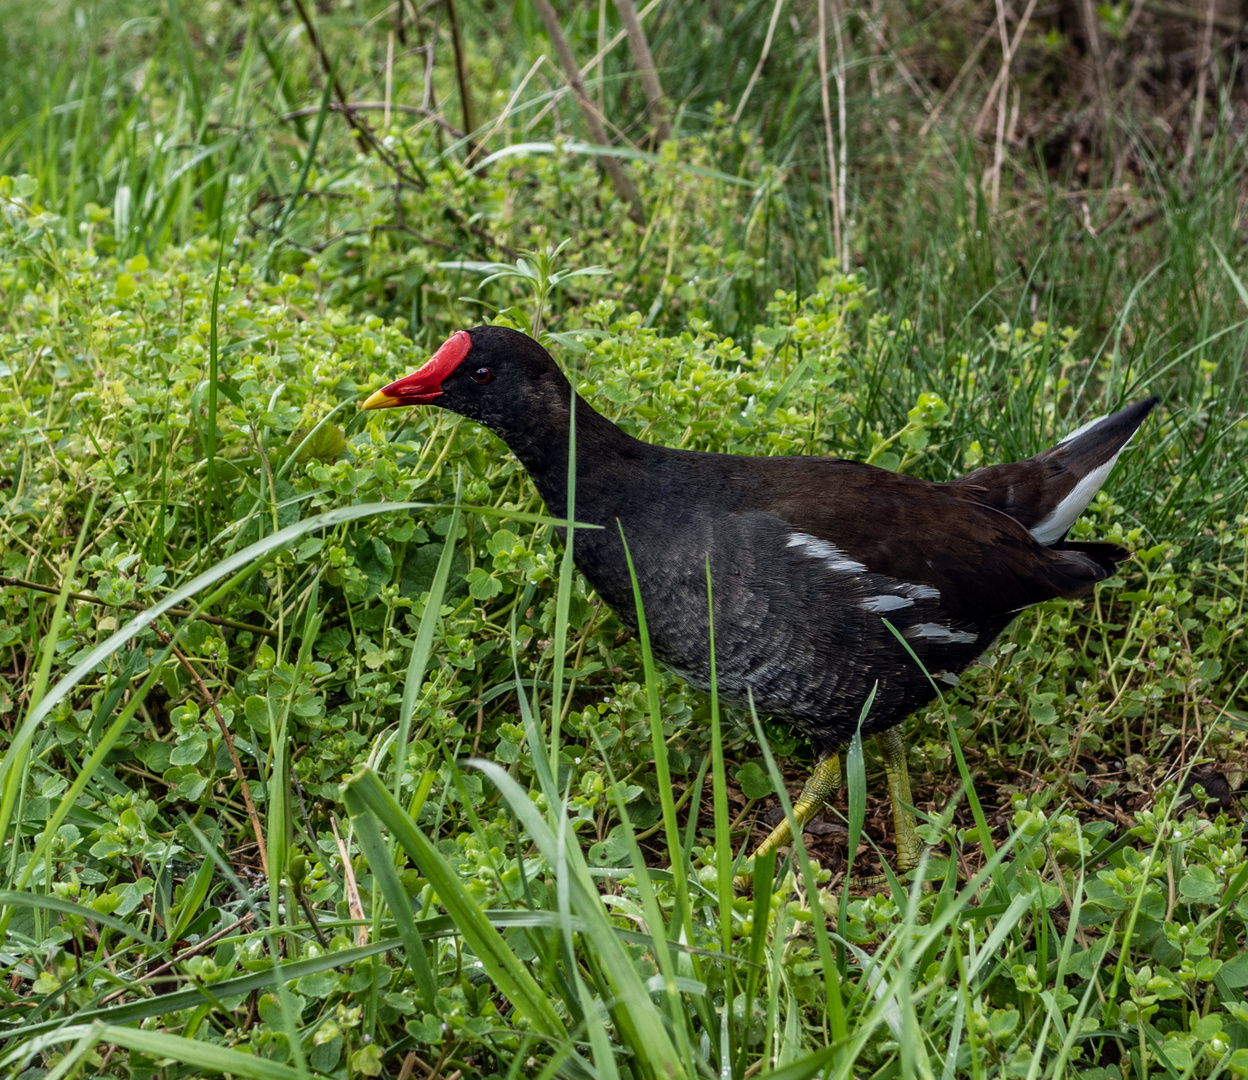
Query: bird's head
x,y
498,377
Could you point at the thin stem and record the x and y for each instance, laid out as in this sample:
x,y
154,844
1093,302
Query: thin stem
x,y
134,605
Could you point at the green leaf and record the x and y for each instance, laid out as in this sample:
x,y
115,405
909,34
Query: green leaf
x,y
482,585
325,443
1200,883
256,710
1234,972
755,783
70,909
1042,709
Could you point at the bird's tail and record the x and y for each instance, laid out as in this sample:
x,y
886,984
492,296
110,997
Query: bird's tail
x,y
1046,493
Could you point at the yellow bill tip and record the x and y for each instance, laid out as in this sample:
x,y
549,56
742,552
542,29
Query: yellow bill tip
x,y
381,400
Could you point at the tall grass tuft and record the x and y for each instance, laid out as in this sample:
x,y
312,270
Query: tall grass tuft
x,y
318,756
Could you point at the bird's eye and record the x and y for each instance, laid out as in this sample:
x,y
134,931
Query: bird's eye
x,y
483,375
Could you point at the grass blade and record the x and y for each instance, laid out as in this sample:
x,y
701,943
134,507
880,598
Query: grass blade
x,y
509,974
641,1025
423,646
13,763
663,773
564,598
381,862
195,1053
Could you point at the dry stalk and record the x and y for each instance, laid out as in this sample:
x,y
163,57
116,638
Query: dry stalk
x,y
833,179
1136,7
429,96
501,119
998,156
1202,77
385,123
644,60
588,67
354,906
967,66
602,41
461,71
1007,57
1092,28
842,128
227,738
905,73
762,59
134,605
619,178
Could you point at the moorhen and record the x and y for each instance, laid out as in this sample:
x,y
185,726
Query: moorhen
x,y
809,556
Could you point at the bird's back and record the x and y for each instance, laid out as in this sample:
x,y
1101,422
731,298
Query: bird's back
x,y
811,556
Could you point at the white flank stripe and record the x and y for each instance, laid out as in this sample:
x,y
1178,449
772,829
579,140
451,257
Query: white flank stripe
x,y
886,603
1055,526
829,553
936,632
922,592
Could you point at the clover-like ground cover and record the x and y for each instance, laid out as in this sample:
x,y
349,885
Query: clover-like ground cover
x,y
406,797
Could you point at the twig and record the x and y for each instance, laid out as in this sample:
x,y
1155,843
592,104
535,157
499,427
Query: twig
x,y
1226,23
1003,74
134,605
360,106
1092,29
406,230
762,59
211,702
399,27
644,60
310,912
619,178
834,193
1202,74
998,154
461,71
368,230
502,117
185,954
967,66
385,123
362,130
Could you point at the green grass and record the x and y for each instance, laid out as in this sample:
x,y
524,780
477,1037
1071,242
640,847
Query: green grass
x,y
318,756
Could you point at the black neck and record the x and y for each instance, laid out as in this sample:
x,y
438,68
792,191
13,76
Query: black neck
x,y
543,449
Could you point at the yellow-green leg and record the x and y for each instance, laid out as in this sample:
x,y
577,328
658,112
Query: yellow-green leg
x,y
892,745
821,786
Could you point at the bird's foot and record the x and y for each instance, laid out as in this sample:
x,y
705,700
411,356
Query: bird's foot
x,y
905,874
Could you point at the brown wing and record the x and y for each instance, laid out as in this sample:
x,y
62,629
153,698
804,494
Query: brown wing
x,y
981,560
